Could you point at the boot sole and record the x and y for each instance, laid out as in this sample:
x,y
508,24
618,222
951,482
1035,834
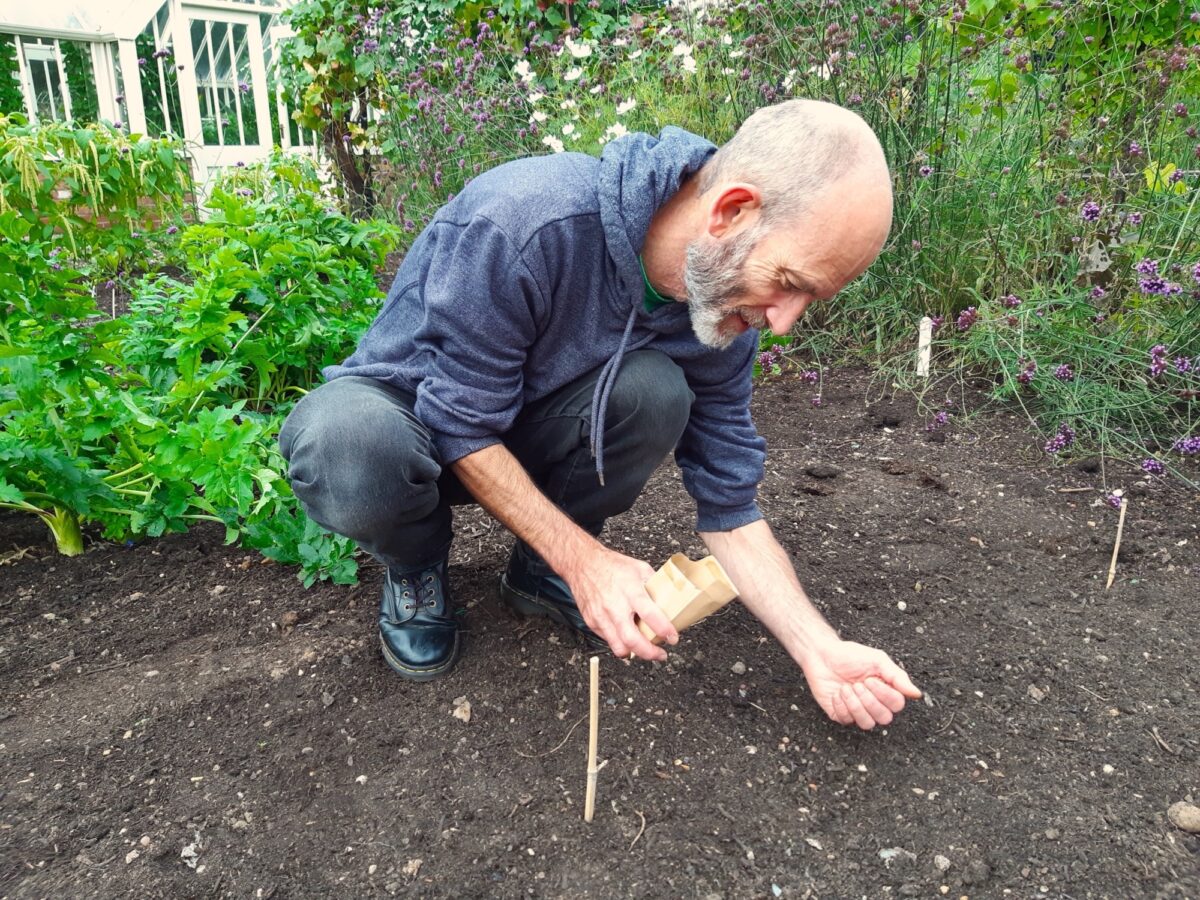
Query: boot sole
x,y
527,605
411,674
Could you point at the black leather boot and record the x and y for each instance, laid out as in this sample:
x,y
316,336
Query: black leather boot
x,y
419,636
532,588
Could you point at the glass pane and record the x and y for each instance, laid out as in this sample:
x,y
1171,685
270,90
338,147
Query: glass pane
x,y
81,80
245,84
160,81
224,83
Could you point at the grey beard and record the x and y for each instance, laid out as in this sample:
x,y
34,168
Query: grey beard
x,y
713,277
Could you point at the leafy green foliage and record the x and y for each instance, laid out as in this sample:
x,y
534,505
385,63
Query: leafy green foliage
x,y
92,188
170,413
12,100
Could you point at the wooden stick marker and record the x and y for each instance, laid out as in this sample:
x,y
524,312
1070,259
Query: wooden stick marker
x,y
1112,566
589,806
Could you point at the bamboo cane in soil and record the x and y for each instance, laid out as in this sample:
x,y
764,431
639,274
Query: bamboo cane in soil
x,y
593,735
1112,566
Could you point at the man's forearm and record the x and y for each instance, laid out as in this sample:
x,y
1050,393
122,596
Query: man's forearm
x,y
502,486
767,584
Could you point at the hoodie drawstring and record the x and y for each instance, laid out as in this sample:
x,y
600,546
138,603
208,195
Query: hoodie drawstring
x,y
604,386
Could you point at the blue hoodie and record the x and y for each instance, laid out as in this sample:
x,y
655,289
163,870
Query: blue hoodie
x,y
529,279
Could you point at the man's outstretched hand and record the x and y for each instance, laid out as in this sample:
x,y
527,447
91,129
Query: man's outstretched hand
x,y
858,685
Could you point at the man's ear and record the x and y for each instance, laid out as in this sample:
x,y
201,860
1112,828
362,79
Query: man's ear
x,y
733,207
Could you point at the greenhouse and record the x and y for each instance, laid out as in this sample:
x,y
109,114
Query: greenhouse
x,y
198,69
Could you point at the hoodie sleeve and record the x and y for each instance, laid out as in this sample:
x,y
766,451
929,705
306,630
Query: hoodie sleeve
x,y
721,454
481,312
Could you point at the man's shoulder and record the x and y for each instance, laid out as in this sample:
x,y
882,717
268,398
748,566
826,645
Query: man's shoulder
x,y
525,195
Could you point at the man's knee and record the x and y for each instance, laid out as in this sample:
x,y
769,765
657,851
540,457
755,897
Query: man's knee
x,y
652,395
359,460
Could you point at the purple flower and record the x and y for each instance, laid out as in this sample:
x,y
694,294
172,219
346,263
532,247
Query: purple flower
x,y
244,192
1183,365
1196,273
243,87
172,229
939,420
1012,301
141,60
1134,218
1113,500
1147,267
1064,373
1155,284
1189,446
925,171
1153,466
936,322
1097,292
1181,110
370,45
1135,149
967,318
1158,360
1063,438
816,401
812,376
1090,211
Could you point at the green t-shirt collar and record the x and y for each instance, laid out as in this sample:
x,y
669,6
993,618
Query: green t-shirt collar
x,y
653,299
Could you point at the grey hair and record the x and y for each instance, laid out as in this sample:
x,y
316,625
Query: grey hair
x,y
792,152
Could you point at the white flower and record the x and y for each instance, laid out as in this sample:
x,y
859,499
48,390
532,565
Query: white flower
x,y
536,96
689,64
615,130
636,53
578,51
789,79
538,116
553,143
682,50
573,73
737,54
621,42
727,71
596,89
726,39
523,70
567,104
823,71
626,106
568,129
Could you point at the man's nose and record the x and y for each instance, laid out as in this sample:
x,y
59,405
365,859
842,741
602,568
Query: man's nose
x,y
783,316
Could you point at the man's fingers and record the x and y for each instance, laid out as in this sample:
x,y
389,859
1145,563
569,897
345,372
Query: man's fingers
x,y
841,715
900,680
636,643
877,711
862,718
656,620
886,694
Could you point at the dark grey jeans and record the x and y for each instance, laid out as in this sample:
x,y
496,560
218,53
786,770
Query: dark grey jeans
x,y
363,465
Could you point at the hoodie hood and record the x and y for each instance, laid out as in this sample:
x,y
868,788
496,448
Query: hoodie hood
x,y
638,174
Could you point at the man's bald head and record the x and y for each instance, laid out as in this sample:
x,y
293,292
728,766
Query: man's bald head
x,y
794,152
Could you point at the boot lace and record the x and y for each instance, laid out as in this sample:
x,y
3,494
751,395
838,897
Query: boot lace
x,y
417,594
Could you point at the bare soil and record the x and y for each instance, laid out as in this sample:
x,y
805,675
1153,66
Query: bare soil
x,y
179,718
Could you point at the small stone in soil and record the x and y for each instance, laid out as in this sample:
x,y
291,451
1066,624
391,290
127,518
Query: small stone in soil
x,y
1185,816
738,668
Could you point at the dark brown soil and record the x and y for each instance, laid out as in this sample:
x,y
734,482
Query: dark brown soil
x,y
180,719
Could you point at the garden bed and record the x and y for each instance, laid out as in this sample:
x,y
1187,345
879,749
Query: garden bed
x,y
182,719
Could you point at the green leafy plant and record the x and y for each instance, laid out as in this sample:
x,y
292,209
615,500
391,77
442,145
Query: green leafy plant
x,y
92,189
